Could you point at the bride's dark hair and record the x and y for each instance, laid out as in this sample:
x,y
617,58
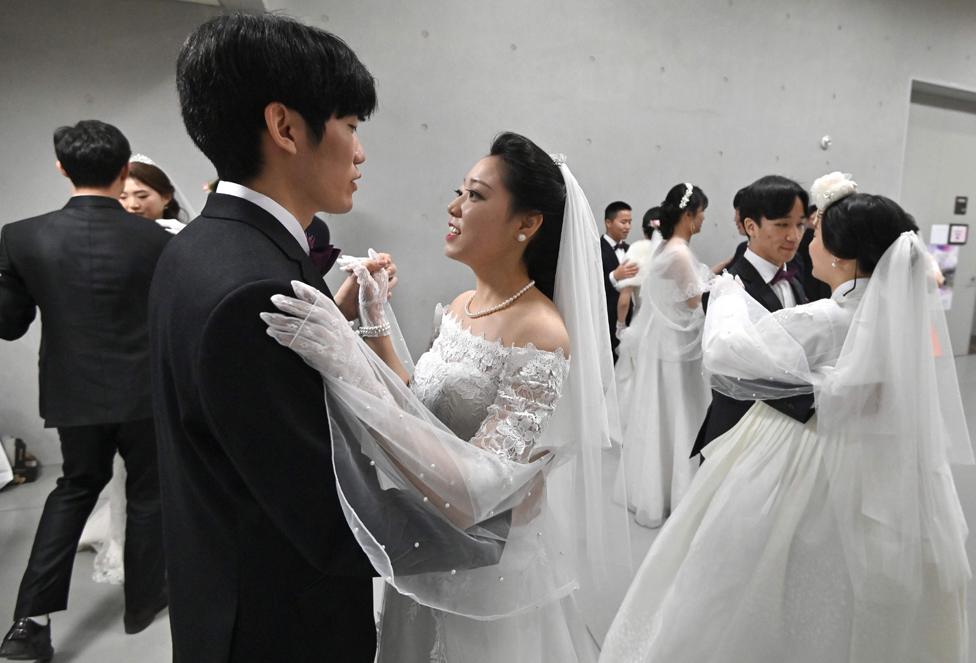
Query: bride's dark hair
x,y
862,226
671,209
536,185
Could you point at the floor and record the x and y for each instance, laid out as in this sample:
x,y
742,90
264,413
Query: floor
x,y
91,629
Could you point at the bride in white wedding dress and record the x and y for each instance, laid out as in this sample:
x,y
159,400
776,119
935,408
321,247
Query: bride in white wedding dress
x,y
837,540
495,441
660,365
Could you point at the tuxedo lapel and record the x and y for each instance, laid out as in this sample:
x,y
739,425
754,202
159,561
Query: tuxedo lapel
x,y
756,286
609,255
798,292
232,208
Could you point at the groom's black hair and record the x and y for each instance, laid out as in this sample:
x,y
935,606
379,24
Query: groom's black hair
x,y
231,67
92,153
770,197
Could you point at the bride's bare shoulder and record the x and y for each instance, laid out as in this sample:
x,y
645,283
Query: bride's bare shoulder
x,y
457,305
538,322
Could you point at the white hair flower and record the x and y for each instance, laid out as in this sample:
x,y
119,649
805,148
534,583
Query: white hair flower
x,y
830,188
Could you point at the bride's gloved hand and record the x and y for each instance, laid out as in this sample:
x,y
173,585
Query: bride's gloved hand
x,y
312,326
374,290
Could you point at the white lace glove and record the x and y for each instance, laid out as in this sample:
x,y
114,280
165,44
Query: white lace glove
x,y
374,291
312,326
723,284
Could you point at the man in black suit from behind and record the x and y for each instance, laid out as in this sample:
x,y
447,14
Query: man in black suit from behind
x,y
773,212
262,564
88,267
613,247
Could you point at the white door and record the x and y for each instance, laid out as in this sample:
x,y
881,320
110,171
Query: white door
x,y
940,165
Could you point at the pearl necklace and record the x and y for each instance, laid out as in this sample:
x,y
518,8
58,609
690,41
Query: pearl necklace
x,y
497,307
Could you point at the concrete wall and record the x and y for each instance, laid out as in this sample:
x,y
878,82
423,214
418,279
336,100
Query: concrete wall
x,y
638,95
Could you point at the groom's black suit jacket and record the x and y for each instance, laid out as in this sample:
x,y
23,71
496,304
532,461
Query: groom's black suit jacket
x,y
261,563
610,263
724,412
87,267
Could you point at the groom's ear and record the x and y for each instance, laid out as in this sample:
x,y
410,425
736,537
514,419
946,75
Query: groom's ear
x,y
283,127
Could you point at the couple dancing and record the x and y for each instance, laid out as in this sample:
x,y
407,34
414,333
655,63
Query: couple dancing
x,y
473,487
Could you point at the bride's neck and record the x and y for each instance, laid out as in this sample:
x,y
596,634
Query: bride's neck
x,y
495,285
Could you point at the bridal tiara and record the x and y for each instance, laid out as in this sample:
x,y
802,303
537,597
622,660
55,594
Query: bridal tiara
x,y
689,188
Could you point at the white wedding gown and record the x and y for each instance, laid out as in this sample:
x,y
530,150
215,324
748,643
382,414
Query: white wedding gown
x,y
501,398
660,379
753,566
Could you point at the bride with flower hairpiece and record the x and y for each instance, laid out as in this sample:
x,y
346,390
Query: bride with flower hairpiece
x,y
841,539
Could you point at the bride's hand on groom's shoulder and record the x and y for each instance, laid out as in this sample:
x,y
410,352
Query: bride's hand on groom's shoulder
x,y
309,323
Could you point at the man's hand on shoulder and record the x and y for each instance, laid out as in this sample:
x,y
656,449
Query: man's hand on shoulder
x,y
625,271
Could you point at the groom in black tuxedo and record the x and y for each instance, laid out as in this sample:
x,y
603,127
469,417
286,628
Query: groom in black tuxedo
x,y
87,267
618,218
262,564
773,212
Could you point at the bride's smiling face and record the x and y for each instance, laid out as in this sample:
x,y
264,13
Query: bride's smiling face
x,y
481,227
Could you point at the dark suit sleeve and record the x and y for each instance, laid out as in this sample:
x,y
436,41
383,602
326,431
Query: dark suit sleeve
x,y
17,307
267,408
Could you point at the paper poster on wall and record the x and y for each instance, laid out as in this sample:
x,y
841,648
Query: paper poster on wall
x,y
958,233
947,258
939,233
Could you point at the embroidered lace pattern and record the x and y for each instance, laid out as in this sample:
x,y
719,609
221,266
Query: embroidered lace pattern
x,y
499,397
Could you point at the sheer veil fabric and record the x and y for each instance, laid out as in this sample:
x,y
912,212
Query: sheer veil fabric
x,y
890,420
838,539
464,530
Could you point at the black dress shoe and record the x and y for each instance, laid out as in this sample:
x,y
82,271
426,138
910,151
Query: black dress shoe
x,y
134,622
27,641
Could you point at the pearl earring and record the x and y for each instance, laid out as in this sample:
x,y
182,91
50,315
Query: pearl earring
x,y
833,263
521,237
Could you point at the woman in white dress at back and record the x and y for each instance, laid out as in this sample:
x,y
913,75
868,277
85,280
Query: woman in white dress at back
x,y
660,370
841,539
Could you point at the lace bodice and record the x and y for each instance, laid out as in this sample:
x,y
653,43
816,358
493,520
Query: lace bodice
x,y
498,397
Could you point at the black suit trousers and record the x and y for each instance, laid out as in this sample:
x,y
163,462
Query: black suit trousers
x,y
88,452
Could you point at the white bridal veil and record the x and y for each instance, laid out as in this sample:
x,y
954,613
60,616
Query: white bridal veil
x,y
890,419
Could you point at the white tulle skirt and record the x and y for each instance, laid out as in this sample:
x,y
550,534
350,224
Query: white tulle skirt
x,y
750,568
665,405
412,633
105,530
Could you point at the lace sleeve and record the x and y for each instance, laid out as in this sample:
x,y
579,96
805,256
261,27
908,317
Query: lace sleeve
x,y
531,384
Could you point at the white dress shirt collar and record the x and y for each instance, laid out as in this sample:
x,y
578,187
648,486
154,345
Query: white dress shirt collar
x,y
269,205
766,269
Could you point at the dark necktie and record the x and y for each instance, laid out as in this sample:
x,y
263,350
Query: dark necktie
x,y
784,275
323,256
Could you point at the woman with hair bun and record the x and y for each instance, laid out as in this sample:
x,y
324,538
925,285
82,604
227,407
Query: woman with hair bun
x,y
507,390
838,539
659,373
